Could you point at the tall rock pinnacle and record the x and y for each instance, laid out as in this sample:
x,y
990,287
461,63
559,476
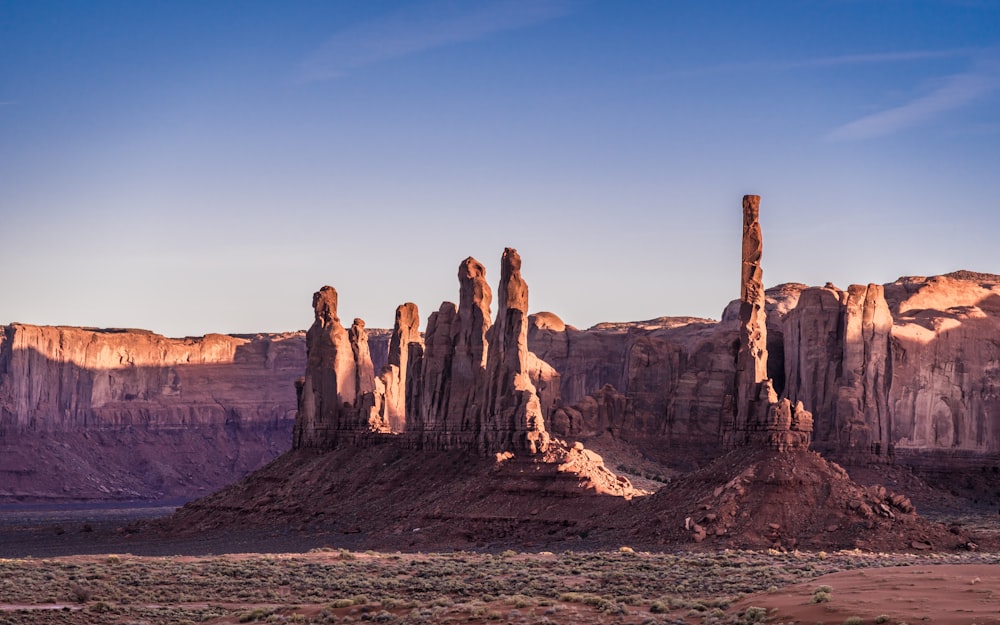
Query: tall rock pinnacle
x,y
760,419
752,362
405,330
336,396
512,413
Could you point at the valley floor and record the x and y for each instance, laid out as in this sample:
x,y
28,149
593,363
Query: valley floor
x,y
327,585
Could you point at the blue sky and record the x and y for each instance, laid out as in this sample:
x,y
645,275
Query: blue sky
x,y
205,166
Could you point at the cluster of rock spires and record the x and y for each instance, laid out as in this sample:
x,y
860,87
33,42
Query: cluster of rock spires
x,y
465,385
905,369
906,372
468,385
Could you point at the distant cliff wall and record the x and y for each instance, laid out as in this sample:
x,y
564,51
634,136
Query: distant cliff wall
x,y
131,414
905,372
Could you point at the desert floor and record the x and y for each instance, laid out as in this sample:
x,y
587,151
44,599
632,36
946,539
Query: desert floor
x,y
84,565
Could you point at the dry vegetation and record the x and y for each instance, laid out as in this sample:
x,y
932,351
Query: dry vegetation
x,y
331,586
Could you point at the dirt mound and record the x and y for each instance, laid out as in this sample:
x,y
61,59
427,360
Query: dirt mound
x,y
785,500
388,497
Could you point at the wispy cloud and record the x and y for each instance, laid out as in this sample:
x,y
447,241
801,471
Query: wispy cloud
x,y
426,26
952,93
842,60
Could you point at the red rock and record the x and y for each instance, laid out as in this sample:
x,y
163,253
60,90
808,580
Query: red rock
x,y
337,399
405,332
512,416
92,414
760,418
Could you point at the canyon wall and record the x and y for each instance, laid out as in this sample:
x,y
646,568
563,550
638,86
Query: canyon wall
x,y
88,413
905,372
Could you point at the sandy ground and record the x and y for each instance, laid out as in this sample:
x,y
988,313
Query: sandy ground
x,y
941,594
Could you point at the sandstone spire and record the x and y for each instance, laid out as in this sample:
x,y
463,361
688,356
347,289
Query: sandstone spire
x,y
752,360
512,415
443,408
470,346
337,394
405,330
761,419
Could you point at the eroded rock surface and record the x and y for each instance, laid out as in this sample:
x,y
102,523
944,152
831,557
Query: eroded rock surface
x,y
761,418
336,397
405,332
129,414
512,413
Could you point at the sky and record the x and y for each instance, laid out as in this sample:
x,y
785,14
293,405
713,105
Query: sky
x,y
195,167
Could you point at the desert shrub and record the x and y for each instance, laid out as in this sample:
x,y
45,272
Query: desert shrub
x,y
852,620
100,607
754,614
341,603
882,618
658,607
822,594
113,559
80,594
254,615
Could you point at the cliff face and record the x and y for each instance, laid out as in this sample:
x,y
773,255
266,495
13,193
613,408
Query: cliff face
x,y
128,413
905,372
944,395
61,378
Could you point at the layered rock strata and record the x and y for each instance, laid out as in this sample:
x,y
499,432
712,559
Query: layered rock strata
x,y
88,413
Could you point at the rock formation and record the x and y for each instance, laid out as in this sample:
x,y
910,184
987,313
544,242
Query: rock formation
x,y
761,418
443,410
512,413
837,360
336,398
904,372
88,413
405,332
468,385
944,382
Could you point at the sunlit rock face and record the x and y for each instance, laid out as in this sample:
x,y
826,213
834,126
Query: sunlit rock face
x,y
944,395
88,413
339,398
512,416
404,338
469,384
